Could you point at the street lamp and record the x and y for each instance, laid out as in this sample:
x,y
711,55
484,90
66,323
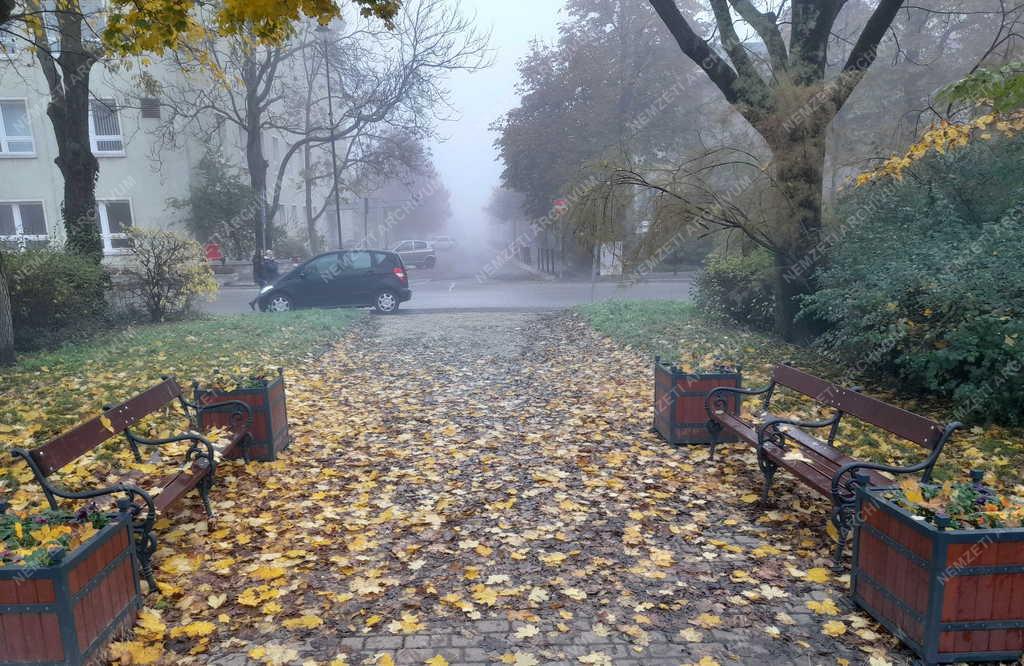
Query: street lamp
x,y
324,35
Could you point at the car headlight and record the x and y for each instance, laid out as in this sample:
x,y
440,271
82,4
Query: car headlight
x,y
264,290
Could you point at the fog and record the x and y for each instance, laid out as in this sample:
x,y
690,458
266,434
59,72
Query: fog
x,y
466,157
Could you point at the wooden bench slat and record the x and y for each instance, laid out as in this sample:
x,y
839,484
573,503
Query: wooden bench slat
x,y
85,437
178,484
912,427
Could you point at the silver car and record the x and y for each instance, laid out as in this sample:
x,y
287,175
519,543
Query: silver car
x,y
416,253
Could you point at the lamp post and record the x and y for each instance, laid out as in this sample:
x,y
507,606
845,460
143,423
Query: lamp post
x,y
324,35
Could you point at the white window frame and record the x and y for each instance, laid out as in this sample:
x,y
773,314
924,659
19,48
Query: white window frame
x,y
104,221
5,138
20,237
94,139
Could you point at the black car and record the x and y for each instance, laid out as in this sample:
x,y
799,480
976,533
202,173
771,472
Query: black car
x,y
348,278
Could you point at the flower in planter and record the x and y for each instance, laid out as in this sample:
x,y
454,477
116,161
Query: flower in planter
x,y
961,505
41,539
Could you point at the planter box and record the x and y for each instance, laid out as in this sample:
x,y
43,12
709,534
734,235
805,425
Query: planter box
x,y
950,595
679,414
270,416
66,614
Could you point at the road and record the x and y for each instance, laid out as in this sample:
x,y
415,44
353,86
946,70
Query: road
x,y
469,294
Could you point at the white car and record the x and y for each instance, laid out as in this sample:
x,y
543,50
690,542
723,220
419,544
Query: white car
x,y
443,242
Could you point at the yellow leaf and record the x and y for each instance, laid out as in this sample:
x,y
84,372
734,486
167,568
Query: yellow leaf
x,y
827,607
817,574
833,628
133,652
267,572
707,621
385,660
194,630
912,490
216,600
105,422
150,626
691,635
304,622
436,660
527,630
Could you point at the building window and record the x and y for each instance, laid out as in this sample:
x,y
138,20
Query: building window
x,y
105,128
23,225
15,130
115,221
150,107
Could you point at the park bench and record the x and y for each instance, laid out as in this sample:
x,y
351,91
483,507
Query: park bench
x,y
196,471
785,443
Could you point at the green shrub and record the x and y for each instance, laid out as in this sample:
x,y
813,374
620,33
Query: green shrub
x,y
55,296
167,273
926,285
738,288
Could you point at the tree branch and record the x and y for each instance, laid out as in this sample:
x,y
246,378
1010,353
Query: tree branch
x,y
695,48
767,28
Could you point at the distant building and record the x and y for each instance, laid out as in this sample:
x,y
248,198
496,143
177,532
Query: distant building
x,y
136,178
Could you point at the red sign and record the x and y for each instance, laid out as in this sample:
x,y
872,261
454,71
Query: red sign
x,y
213,252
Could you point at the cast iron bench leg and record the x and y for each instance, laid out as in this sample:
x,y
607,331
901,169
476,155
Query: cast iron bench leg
x,y
768,469
714,431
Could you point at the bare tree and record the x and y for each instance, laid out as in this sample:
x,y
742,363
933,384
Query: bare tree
x,y
383,79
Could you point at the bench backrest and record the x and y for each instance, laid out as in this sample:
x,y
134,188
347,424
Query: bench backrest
x,y
900,422
85,437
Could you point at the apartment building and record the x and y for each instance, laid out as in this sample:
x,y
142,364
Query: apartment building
x,y
137,175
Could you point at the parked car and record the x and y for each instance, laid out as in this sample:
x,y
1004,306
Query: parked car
x,y
350,278
443,243
416,253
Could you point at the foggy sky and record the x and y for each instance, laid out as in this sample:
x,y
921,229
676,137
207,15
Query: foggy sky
x,y
467,160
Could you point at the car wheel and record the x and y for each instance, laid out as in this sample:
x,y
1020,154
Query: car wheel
x,y
429,263
386,302
279,303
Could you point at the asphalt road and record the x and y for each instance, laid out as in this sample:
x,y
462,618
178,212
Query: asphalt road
x,y
514,295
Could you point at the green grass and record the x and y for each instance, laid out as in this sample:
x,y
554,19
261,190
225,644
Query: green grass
x,y
46,392
678,332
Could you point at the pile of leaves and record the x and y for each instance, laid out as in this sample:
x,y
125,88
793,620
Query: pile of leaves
x,y
41,539
963,505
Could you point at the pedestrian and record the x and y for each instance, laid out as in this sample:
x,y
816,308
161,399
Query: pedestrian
x,y
270,267
257,270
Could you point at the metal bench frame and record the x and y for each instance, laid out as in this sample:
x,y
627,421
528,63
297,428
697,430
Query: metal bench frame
x,y
777,433
64,449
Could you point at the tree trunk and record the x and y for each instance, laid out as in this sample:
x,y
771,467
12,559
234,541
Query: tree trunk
x,y
314,237
799,166
258,181
6,319
67,77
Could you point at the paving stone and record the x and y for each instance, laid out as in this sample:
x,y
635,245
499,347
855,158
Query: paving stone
x,y
383,642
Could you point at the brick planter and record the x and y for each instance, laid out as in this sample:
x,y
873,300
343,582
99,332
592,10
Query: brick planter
x,y
679,413
67,613
270,415
950,595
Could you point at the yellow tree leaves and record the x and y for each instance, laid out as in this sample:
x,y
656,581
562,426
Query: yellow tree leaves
x,y
155,25
946,136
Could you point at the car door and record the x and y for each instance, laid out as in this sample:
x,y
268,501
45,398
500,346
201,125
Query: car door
x,y
404,250
318,281
421,250
356,282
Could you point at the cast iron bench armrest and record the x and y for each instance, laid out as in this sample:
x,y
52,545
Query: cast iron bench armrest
x,y
245,407
732,389
194,437
50,489
925,466
779,420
